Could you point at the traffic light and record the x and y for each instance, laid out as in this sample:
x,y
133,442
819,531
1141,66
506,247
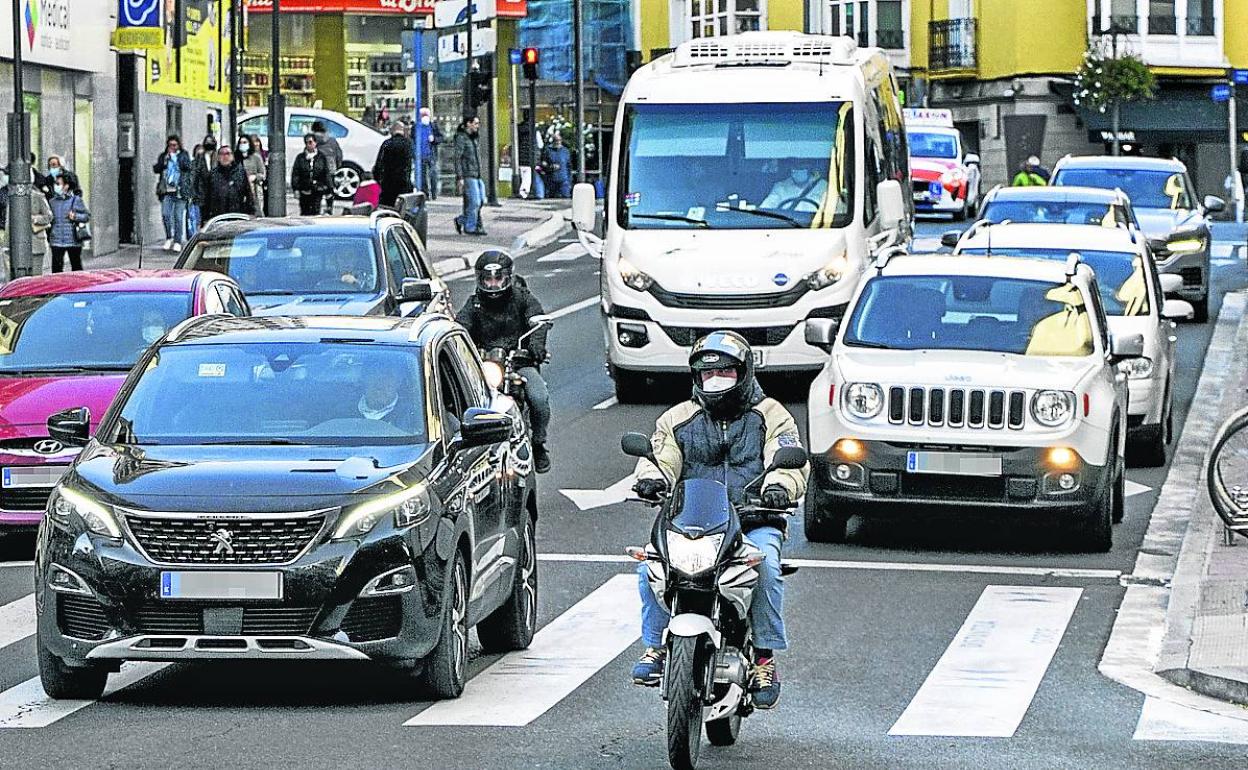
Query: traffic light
x,y
480,87
529,58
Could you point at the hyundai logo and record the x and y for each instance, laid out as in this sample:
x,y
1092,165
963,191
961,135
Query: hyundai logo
x,y
224,540
49,446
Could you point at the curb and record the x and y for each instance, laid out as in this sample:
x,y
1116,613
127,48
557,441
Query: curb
x,y
544,234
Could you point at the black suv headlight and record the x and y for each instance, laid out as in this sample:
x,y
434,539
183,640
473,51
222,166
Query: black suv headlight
x,y
408,506
67,505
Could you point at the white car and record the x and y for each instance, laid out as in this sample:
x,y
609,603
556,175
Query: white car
x,y
1134,297
359,142
970,382
945,178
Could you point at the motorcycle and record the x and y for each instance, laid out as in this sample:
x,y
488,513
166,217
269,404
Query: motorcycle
x,y
502,366
704,571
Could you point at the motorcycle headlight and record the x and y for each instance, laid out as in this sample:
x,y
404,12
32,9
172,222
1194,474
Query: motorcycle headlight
x,y
66,504
829,273
493,374
1185,245
692,556
634,278
864,400
408,507
1052,408
1136,368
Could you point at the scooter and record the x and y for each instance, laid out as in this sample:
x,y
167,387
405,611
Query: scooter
x,y
502,366
704,572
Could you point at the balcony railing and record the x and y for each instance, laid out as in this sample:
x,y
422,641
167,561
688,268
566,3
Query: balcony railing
x,y
1163,25
892,39
953,46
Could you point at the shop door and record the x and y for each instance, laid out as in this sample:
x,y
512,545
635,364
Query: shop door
x,y
84,144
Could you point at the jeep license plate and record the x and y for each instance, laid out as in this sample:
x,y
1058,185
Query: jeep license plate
x,y
953,463
220,585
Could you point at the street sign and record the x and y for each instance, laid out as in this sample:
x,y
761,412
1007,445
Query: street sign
x,y
454,47
454,13
428,50
514,55
1221,92
1239,77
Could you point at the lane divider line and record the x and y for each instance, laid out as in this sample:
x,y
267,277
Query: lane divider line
x,y
17,620
574,307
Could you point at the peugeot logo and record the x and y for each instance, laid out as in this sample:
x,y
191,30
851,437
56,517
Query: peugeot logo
x,y
49,446
224,540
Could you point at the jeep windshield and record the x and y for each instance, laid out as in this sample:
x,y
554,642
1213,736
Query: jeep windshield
x,y
1001,315
737,166
1119,275
280,262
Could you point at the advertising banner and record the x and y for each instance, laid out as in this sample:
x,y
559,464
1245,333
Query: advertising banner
x,y
197,70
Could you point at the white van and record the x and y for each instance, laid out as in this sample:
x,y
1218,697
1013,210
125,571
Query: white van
x,y
724,150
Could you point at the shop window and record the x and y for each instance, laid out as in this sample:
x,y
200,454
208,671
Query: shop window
x,y
889,32
1161,18
714,18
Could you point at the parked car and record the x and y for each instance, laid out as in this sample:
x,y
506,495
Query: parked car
x,y
344,488
1162,195
960,383
68,339
359,142
351,265
1133,295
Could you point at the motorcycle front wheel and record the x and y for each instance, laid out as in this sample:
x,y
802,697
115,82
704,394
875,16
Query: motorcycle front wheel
x,y
684,703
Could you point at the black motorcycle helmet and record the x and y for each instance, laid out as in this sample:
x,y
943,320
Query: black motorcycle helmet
x,y
723,350
495,274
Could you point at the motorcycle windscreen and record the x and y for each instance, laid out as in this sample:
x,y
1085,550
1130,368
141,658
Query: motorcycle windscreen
x,y
703,505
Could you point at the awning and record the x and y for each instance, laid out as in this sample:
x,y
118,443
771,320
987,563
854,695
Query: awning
x,y
1181,112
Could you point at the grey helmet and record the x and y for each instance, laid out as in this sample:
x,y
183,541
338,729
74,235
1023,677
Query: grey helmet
x,y
723,350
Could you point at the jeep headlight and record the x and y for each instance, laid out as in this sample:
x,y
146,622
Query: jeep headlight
x,y
1136,368
408,507
692,556
66,504
864,400
829,273
1052,408
634,278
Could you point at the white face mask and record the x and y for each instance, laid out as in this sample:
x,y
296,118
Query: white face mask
x,y
800,176
424,119
244,147
719,383
152,333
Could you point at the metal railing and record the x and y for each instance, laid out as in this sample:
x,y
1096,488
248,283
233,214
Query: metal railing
x,y
953,45
1231,503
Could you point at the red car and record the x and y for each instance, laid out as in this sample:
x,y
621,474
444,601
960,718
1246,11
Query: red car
x,y
68,340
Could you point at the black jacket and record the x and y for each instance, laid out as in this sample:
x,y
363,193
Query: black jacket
x,y
467,155
227,191
393,169
310,178
201,167
499,324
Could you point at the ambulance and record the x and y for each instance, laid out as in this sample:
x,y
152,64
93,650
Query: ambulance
x,y
946,178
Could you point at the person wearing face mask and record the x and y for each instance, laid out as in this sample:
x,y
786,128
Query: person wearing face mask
x,y
153,327
56,167
68,211
310,177
253,165
802,190
729,431
431,138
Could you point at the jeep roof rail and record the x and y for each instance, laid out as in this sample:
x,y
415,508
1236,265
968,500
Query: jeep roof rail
x,y
1073,261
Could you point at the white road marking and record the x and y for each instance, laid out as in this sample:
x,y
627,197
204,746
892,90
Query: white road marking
x,y
925,244
1131,488
574,307
522,686
572,251
27,705
1222,250
610,402
17,564
1162,720
588,499
17,620
1223,262
1074,573
984,683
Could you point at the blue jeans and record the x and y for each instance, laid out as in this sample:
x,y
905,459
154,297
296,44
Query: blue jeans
x,y
173,214
194,218
559,186
766,608
539,401
474,199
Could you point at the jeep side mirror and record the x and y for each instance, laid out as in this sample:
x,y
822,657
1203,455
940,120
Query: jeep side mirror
x,y
1177,310
821,332
1170,283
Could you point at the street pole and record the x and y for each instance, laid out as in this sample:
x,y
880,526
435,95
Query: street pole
x,y
516,160
21,259
1237,185
418,132
277,123
236,47
491,138
578,53
468,108
533,155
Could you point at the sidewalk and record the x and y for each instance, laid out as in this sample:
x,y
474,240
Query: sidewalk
x,y
516,225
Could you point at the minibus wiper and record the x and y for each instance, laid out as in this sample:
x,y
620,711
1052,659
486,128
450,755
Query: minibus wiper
x,y
772,215
672,218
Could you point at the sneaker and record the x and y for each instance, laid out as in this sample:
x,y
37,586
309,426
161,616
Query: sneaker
x,y
648,670
765,683
169,245
177,247
541,458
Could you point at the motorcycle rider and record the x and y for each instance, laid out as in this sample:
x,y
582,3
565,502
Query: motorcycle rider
x,y
496,316
728,432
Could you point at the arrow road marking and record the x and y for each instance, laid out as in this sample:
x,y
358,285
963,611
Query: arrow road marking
x,y
588,499
1131,488
17,620
523,685
27,705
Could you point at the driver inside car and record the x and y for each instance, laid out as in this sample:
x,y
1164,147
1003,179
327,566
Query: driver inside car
x,y
381,393
803,189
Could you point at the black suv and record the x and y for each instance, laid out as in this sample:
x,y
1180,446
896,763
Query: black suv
x,y
291,488
300,266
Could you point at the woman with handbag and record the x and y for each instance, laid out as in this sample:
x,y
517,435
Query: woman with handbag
x,y
70,223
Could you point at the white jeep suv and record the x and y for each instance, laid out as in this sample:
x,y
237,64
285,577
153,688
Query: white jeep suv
x,y
970,382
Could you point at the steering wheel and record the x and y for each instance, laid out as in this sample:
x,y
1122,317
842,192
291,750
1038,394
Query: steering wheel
x,y
791,204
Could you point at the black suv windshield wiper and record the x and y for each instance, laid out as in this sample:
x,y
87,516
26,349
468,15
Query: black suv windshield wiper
x,y
769,214
672,218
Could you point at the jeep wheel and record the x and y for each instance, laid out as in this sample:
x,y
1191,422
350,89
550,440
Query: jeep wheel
x,y
1095,533
1149,446
822,524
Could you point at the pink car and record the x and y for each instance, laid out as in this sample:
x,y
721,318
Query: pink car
x,y
68,340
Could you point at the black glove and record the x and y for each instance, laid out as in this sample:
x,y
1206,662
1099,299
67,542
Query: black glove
x,y
650,489
774,496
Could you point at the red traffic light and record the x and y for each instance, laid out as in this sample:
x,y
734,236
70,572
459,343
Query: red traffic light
x,y
529,56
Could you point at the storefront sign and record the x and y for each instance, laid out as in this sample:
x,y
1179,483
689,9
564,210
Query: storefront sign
x,y
1239,77
454,13
454,47
138,26
418,7
512,9
198,69
71,34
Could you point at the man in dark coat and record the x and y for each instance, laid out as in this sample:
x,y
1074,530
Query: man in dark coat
x,y
226,188
393,169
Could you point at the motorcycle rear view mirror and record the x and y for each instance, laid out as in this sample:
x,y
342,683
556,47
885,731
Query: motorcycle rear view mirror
x,y
789,458
541,320
636,445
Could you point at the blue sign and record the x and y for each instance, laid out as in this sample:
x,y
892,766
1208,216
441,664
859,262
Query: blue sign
x,y
780,279
138,13
515,55
1239,77
1221,92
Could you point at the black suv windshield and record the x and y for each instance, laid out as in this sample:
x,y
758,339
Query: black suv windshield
x,y
1119,275
1147,188
89,330
276,393
277,262
958,312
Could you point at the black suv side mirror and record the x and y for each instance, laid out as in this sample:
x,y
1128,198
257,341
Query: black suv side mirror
x,y
950,238
415,290
71,427
480,427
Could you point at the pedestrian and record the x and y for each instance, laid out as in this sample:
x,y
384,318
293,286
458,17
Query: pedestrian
x,y
309,177
55,167
393,169
68,212
1031,174
329,147
529,161
175,189
226,190
201,165
557,166
431,138
253,164
468,176
40,222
